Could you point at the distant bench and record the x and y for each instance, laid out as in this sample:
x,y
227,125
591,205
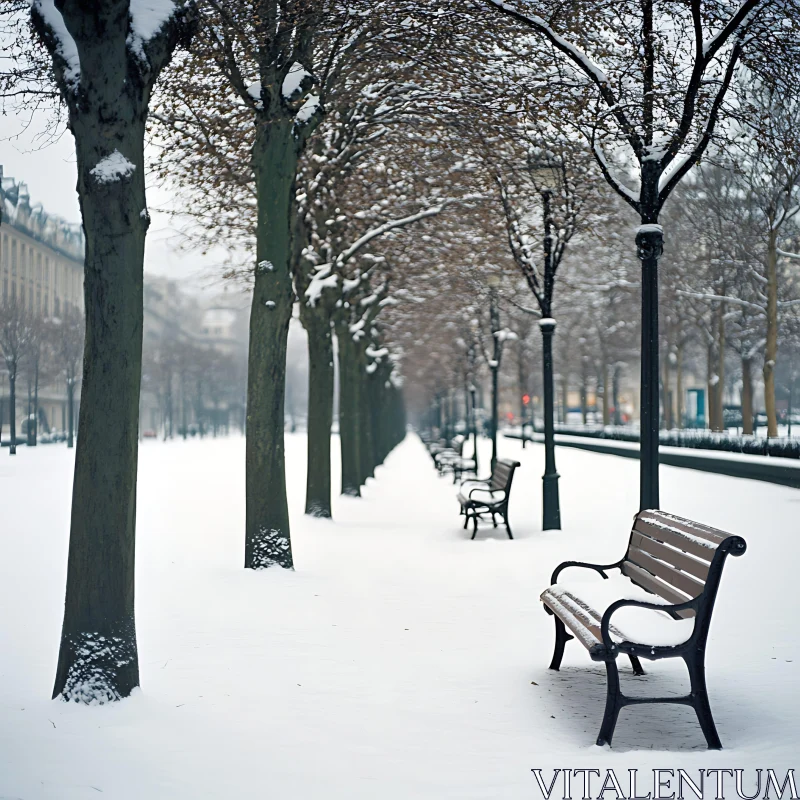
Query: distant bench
x,y
489,497
672,567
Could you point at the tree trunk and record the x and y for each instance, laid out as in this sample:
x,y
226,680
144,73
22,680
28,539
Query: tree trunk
x,y
366,434
349,386
28,414
712,388
666,393
747,396
584,396
317,323
98,659
679,387
36,404
606,396
267,538
771,347
184,422
12,410
720,396
71,411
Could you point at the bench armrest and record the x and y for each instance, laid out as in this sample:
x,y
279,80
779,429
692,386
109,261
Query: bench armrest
x,y
601,568
492,492
483,482
609,612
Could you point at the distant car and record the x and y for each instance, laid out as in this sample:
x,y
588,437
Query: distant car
x,y
149,434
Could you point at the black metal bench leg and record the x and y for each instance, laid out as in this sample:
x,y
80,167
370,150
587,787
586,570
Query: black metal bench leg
x,y
474,524
612,704
562,637
508,527
638,669
697,677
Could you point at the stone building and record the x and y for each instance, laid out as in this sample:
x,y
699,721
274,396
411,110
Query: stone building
x,y
41,268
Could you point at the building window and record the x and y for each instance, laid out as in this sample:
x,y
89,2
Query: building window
x,y
5,253
5,288
46,270
13,256
56,306
38,301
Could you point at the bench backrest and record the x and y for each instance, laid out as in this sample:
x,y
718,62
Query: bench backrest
x,y
677,559
503,474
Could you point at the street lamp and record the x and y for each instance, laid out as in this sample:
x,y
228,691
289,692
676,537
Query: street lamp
x,y
551,505
493,282
472,392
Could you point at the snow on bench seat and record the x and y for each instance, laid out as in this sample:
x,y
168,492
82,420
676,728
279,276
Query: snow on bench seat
x,y
581,604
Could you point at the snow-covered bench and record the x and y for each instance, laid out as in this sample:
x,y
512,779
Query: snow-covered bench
x,y
489,497
452,460
658,606
444,458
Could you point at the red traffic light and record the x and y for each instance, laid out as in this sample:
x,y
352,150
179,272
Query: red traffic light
x,y
526,398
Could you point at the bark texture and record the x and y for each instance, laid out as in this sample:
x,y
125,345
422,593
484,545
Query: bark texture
x,y
107,107
267,535
771,347
320,409
747,396
349,412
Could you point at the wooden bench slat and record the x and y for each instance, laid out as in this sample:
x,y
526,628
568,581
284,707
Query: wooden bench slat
x,y
701,549
695,528
660,518
677,558
587,616
576,625
652,584
680,580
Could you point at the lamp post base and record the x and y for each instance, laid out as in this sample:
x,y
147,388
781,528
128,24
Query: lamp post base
x,y
551,511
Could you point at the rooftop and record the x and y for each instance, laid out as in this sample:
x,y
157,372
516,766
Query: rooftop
x,y
54,232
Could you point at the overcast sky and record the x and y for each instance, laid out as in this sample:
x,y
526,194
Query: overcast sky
x,y
48,167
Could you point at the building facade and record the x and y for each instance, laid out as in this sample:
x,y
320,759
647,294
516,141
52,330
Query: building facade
x,y
41,269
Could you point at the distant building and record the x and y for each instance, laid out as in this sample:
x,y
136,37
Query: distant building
x,y
194,360
41,267
219,328
41,255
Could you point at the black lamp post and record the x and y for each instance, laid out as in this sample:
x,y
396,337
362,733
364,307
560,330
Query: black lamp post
x,y
472,392
494,364
649,243
551,506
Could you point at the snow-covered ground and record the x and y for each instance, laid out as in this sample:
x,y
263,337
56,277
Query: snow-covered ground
x,y
400,659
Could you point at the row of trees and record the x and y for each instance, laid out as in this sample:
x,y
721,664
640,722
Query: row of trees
x,y
317,135
198,388
42,352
